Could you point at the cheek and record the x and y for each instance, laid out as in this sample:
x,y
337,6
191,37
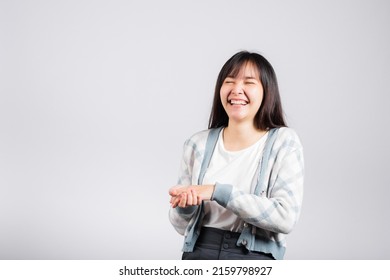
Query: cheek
x,y
223,95
260,95
258,100
222,91
261,98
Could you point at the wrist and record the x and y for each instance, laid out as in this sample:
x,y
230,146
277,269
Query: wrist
x,y
208,191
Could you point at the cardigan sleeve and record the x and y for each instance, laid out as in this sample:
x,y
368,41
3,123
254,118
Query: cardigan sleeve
x,y
279,210
180,217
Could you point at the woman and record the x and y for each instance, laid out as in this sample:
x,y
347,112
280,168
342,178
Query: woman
x,y
241,183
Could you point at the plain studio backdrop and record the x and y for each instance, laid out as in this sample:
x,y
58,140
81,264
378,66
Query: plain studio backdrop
x,y
98,97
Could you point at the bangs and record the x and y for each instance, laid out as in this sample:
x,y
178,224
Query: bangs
x,y
236,66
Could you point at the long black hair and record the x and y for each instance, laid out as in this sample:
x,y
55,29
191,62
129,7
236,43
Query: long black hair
x,y
270,114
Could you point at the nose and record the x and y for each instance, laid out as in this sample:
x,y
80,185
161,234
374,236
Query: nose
x,y
237,89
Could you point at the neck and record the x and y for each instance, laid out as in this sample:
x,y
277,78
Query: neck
x,y
239,136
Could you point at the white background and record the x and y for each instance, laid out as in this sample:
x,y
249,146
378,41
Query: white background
x,y
98,97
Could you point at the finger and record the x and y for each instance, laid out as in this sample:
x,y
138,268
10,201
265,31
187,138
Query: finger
x,y
176,190
183,200
199,200
173,191
190,197
175,201
194,197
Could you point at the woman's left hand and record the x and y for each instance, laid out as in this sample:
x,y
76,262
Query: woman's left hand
x,y
185,196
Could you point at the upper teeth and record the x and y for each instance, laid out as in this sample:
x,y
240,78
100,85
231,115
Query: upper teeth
x,y
237,102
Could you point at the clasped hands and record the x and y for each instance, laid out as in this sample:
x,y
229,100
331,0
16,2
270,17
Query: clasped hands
x,y
185,196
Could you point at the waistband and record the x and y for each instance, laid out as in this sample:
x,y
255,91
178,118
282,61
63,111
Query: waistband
x,y
218,239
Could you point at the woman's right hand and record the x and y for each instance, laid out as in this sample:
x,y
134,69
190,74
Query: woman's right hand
x,y
184,196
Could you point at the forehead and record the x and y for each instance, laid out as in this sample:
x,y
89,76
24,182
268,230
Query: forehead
x,y
244,69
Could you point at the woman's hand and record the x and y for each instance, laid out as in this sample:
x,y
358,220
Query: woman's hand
x,y
184,196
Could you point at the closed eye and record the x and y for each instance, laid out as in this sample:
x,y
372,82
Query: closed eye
x,y
250,81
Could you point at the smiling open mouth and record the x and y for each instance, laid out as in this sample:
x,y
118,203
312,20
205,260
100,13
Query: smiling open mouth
x,y
237,102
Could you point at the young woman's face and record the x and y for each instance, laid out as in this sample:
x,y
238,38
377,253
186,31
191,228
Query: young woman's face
x,y
241,96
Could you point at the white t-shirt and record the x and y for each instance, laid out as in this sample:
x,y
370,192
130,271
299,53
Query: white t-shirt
x,y
237,168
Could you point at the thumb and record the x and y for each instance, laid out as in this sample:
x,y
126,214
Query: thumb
x,y
174,190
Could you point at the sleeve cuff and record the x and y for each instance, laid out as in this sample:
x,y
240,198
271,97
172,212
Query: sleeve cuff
x,y
187,210
222,193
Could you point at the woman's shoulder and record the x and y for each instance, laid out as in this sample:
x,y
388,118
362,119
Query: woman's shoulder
x,y
203,134
198,139
287,132
289,136
200,135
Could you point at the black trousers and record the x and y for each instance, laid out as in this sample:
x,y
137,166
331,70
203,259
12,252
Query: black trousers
x,y
217,244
